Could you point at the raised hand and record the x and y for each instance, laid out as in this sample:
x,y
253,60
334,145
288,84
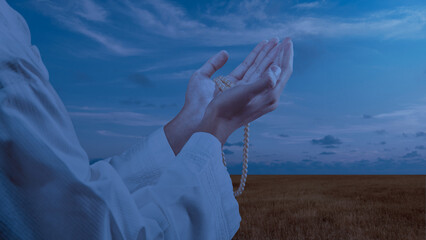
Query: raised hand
x,y
201,90
256,94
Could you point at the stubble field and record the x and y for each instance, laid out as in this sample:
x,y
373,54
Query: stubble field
x,y
332,207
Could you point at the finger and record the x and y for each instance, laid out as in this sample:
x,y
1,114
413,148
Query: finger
x,y
265,102
258,106
268,60
264,52
239,71
214,63
286,64
242,94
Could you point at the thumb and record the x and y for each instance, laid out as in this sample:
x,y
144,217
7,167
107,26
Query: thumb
x,y
267,80
276,70
214,63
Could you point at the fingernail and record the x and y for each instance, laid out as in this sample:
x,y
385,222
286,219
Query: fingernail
x,y
275,39
287,41
224,52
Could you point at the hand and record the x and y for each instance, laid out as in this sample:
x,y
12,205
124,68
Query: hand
x,y
201,90
256,95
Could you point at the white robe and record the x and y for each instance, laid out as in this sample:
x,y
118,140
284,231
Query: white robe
x,y
48,189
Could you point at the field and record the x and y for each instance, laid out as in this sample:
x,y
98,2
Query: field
x,y
332,207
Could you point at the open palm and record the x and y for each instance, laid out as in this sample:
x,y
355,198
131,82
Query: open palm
x,y
201,89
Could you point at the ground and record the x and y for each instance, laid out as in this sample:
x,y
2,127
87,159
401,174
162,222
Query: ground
x,y
332,207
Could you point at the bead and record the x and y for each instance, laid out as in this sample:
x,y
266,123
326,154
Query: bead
x,y
223,84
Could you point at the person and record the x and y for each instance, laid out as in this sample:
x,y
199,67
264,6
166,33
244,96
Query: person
x,y
172,185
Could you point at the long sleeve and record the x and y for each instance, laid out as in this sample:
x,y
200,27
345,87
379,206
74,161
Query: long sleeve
x,y
143,164
49,190
194,193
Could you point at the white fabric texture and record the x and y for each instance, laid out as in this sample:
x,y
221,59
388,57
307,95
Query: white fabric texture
x,y
50,191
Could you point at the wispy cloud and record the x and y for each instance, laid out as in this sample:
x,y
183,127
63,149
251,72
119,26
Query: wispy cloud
x,y
163,18
235,23
140,79
327,153
79,16
308,5
92,11
380,132
120,118
412,154
113,134
112,44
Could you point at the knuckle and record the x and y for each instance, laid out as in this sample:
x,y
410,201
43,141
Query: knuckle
x,y
215,68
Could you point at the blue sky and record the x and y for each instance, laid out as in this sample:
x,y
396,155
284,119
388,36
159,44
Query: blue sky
x,y
356,103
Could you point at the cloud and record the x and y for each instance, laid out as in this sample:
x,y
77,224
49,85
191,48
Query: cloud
x,y
178,75
308,5
406,121
410,112
367,116
380,132
421,147
382,142
120,118
108,42
227,151
163,18
328,140
412,154
79,16
130,102
239,144
140,104
169,105
420,134
330,146
89,108
327,153
309,166
140,79
281,136
234,23
113,134
92,11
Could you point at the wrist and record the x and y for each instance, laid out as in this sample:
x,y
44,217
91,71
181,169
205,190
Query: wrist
x,y
193,112
214,126
182,126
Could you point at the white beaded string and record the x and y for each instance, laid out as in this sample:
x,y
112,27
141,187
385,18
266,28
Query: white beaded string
x,y
223,84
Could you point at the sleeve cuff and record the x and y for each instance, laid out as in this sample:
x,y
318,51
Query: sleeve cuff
x,y
214,177
144,162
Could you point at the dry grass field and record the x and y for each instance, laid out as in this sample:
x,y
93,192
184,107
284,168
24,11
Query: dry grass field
x,y
332,207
